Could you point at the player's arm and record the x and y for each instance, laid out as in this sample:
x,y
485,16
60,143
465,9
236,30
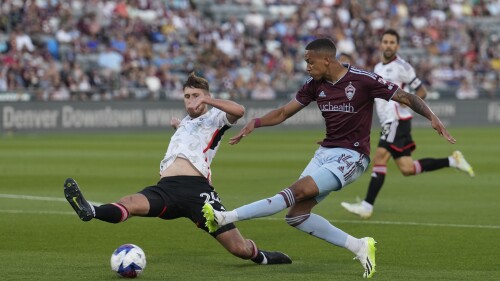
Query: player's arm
x,y
274,117
419,106
233,110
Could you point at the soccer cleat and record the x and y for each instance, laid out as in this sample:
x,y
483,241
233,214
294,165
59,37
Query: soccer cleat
x,y
75,198
358,209
462,164
214,219
367,256
275,258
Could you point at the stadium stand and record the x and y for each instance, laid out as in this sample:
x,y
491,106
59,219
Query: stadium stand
x,y
141,49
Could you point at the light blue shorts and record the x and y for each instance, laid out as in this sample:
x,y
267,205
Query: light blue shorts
x,y
333,168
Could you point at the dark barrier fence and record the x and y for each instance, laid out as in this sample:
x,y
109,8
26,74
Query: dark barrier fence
x,y
40,117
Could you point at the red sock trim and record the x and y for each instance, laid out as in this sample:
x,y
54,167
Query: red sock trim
x,y
125,213
417,167
255,251
380,169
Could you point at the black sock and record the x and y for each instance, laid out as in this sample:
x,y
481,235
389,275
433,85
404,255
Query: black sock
x,y
376,182
431,164
113,213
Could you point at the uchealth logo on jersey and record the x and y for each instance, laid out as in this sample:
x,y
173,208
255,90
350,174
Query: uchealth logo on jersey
x,y
350,91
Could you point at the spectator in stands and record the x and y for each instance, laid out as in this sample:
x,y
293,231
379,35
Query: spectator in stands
x,y
466,90
263,90
261,32
110,59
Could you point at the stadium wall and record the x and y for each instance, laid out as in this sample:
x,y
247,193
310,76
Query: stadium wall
x,y
46,117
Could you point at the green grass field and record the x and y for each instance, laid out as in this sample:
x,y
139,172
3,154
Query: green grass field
x,y
437,226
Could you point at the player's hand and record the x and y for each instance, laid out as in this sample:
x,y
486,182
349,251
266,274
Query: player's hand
x,y
249,127
174,122
197,105
439,127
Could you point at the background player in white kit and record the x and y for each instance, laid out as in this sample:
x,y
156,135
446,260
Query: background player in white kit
x,y
395,137
185,174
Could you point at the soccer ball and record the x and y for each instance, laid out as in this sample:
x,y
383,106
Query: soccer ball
x,y
128,261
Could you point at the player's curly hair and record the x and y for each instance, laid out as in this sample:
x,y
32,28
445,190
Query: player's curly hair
x,y
196,82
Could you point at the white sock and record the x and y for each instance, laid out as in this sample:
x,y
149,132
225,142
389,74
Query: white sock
x,y
453,163
353,244
229,217
367,206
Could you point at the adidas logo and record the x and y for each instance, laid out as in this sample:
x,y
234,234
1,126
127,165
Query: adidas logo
x,y
322,94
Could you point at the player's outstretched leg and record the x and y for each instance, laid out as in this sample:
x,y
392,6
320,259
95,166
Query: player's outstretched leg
x,y
273,258
75,198
367,256
214,219
462,164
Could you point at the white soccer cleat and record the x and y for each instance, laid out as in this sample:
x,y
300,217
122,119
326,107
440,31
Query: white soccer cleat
x,y
462,164
367,256
358,209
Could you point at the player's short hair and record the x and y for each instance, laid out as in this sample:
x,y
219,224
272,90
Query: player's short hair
x,y
322,45
391,32
196,82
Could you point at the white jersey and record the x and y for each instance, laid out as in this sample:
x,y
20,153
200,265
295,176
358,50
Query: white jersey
x,y
401,73
197,140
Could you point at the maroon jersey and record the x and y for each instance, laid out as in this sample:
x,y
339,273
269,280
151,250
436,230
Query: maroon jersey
x,y
347,106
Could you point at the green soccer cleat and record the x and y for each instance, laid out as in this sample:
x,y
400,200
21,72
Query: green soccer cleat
x,y
208,213
367,256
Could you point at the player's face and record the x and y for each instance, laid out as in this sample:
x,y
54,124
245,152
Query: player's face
x,y
191,102
389,46
317,64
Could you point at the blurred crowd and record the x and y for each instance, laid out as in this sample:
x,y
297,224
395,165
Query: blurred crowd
x,y
248,49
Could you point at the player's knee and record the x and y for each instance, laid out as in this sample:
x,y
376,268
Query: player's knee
x,y
301,192
133,205
408,171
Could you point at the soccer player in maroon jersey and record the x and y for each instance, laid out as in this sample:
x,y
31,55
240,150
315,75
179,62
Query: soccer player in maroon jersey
x,y
345,96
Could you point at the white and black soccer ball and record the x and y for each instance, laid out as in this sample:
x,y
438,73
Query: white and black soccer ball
x,y
128,261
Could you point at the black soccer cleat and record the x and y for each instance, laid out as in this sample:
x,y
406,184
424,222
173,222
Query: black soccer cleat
x,y
75,198
276,258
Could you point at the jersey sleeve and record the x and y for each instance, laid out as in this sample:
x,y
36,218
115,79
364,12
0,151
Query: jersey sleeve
x,y
409,77
381,88
307,93
220,118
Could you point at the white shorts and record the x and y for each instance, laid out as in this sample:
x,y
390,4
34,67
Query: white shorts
x,y
333,168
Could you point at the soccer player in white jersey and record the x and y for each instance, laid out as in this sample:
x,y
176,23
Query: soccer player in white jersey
x,y
395,137
345,96
185,174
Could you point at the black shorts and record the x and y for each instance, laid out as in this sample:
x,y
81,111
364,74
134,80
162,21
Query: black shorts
x,y
183,196
396,138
